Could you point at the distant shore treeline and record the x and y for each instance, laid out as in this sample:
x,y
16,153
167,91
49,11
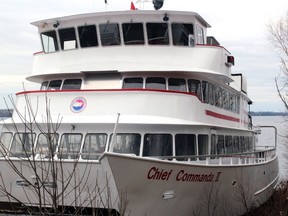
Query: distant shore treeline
x,y
7,113
268,113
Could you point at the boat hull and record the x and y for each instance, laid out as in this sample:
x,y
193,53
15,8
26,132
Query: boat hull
x,y
76,184
157,187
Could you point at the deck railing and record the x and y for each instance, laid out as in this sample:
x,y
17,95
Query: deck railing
x,y
254,157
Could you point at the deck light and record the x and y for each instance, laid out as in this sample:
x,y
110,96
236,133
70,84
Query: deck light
x,y
165,18
56,24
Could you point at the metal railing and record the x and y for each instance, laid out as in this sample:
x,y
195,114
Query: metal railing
x,y
254,157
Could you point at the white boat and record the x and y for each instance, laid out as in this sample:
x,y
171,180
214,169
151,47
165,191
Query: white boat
x,y
138,114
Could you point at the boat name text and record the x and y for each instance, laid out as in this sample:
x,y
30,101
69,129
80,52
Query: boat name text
x,y
164,175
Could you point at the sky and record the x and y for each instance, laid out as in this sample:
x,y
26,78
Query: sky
x,y
239,26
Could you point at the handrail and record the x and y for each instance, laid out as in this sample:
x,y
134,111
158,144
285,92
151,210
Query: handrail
x,y
275,132
232,155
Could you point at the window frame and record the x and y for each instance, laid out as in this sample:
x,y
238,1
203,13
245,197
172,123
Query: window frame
x,y
23,153
46,47
181,88
85,43
187,36
68,37
129,83
5,144
67,80
154,85
140,41
154,38
189,141
49,153
109,41
124,144
93,153
68,154
150,152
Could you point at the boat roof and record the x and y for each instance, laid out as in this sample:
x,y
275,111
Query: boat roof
x,y
122,13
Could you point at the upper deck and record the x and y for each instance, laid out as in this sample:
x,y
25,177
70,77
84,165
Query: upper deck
x,y
129,41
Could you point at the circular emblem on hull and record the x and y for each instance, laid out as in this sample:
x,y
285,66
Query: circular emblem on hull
x,y
78,104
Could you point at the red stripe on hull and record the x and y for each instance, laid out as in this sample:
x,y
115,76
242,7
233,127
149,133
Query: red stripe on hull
x,y
220,116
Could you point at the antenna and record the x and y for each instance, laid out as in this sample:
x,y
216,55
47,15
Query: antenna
x,y
158,4
141,3
105,1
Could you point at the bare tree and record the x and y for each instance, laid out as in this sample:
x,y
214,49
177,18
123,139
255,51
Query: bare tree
x,y
47,184
278,36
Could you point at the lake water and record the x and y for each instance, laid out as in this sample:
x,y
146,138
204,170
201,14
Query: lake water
x,y
281,123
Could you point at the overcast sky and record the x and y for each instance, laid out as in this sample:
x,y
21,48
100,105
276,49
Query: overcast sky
x,y
240,26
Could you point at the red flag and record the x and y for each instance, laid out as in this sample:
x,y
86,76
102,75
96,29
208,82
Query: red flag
x,y
132,6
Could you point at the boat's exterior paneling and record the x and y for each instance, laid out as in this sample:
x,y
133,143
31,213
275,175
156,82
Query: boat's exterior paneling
x,y
164,188
154,107
206,59
86,181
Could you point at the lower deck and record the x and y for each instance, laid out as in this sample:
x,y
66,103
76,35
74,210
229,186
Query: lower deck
x,y
192,144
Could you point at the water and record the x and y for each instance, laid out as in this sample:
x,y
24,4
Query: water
x,y
282,141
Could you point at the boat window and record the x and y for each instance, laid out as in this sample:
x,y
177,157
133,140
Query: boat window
x,y
241,144
157,145
218,96
133,33
211,94
22,145
55,85
203,145
156,83
46,144
185,144
135,82
200,35
232,103
213,146
176,84
251,144
5,140
182,33
126,143
94,145
220,144
157,33
205,89
44,85
237,104
68,39
109,33
228,145
194,86
87,36
69,146
226,102
49,41
236,144
72,84
246,141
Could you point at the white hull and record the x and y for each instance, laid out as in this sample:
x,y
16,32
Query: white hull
x,y
225,190
145,186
